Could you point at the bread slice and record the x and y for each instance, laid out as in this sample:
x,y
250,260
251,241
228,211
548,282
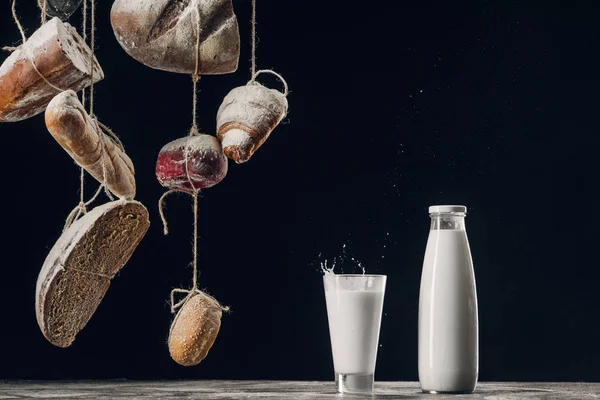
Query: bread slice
x,y
80,266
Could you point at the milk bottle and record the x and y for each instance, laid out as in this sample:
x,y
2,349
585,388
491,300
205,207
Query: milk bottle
x,y
448,326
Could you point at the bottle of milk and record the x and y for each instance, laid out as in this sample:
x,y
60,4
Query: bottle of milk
x,y
448,326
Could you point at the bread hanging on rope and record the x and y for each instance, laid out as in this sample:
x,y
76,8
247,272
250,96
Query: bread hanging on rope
x,y
163,34
195,329
80,266
191,163
247,117
62,9
60,56
83,140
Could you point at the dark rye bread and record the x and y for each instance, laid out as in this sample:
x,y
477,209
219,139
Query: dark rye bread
x,y
80,266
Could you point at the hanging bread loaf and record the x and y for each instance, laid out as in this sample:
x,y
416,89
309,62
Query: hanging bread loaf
x,y
80,266
62,9
195,329
60,55
247,117
162,34
205,167
78,134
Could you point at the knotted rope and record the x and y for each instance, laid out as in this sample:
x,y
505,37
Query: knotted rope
x,y
254,72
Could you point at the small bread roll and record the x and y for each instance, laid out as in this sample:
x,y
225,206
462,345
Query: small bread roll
x,y
195,329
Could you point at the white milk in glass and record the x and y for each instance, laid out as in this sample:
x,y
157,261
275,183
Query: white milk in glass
x,y
354,308
448,325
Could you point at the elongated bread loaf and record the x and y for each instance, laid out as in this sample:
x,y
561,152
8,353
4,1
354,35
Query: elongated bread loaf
x,y
80,266
76,132
60,55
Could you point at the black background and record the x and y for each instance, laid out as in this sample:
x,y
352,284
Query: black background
x,y
394,106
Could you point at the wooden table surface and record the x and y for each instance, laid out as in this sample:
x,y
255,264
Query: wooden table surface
x,y
274,390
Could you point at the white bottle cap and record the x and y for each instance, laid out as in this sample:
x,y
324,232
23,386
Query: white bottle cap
x,y
447,209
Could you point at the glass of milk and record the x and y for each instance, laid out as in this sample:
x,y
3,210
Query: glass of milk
x,y
354,307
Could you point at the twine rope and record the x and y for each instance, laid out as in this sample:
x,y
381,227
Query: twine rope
x,y
84,29
270,71
254,72
81,209
43,7
189,294
195,192
112,135
91,273
194,130
105,134
92,54
83,99
194,290
103,130
24,39
195,78
16,19
253,24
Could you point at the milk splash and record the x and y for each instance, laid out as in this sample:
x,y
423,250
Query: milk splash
x,y
343,259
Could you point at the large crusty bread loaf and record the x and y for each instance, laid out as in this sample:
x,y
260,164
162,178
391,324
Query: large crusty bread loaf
x,y
80,266
195,329
60,55
162,34
76,132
